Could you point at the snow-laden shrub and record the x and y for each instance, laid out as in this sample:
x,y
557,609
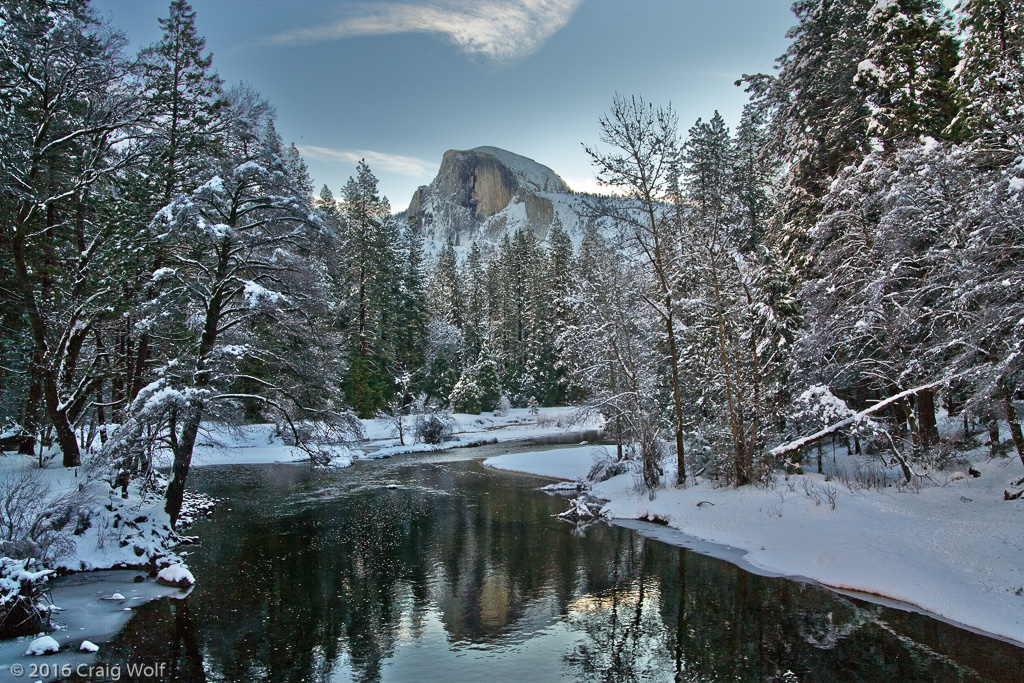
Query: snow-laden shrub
x,y
433,427
23,608
36,521
465,397
607,466
503,407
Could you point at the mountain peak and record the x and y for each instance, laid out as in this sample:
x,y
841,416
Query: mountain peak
x,y
481,193
542,178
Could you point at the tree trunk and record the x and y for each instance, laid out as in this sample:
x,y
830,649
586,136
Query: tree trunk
x,y
993,435
59,419
182,448
30,420
926,425
1012,419
677,401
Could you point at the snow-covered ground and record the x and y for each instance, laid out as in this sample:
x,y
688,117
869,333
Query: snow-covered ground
x,y
952,547
257,444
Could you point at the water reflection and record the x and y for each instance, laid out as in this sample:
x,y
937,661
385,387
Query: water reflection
x,y
462,574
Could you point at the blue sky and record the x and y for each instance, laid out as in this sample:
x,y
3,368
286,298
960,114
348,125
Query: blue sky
x,y
400,81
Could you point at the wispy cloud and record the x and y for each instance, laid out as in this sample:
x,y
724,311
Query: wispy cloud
x,y
502,31
395,163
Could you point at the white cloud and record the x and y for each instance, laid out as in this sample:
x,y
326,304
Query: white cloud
x,y
502,31
394,163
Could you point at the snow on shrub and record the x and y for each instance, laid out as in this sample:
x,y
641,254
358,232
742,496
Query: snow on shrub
x,y
22,597
433,427
37,521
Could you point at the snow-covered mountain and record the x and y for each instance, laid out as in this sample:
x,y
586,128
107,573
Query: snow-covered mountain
x,y
482,193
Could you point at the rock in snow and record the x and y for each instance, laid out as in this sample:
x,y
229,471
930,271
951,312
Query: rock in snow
x,y
115,596
42,646
88,646
176,575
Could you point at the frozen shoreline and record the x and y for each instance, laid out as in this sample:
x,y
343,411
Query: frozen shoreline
x,y
951,549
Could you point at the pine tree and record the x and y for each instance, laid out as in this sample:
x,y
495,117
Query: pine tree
x,y
475,301
991,80
446,289
561,269
68,120
372,281
184,97
185,101
817,114
908,71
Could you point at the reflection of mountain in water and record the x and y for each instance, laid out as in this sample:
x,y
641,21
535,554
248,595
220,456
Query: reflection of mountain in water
x,y
463,575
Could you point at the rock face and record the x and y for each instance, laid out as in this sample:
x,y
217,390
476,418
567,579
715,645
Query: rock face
x,y
481,193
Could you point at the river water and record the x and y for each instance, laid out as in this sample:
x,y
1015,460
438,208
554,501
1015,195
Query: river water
x,y
428,568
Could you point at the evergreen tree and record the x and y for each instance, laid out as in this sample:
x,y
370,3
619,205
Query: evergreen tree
x,y
413,312
446,288
184,97
185,101
817,114
369,240
991,79
561,269
908,70
69,124
475,301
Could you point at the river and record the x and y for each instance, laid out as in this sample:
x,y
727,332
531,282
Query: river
x,y
433,568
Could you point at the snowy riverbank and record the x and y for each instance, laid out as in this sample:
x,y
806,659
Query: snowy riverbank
x,y
258,444
952,547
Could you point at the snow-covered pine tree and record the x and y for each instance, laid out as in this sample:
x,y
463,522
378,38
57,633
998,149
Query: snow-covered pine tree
x,y
818,115
369,241
232,294
908,71
184,98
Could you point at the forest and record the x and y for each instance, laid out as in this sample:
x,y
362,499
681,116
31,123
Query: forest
x,y
849,262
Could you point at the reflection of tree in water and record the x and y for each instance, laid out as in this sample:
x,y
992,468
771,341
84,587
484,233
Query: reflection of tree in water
x,y
622,629
302,581
674,615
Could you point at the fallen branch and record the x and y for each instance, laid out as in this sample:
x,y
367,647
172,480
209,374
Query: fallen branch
x,y
793,446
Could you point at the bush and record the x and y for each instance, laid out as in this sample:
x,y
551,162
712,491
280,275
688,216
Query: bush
x,y
22,592
606,467
433,428
36,522
465,397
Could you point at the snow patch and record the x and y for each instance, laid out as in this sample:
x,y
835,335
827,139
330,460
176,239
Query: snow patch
x,y
176,575
44,645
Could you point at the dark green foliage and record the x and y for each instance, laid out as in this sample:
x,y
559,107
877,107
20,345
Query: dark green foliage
x,y
367,385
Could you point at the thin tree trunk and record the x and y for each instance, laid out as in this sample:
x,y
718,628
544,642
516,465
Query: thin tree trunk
x,y
993,435
30,421
926,425
1012,419
677,401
